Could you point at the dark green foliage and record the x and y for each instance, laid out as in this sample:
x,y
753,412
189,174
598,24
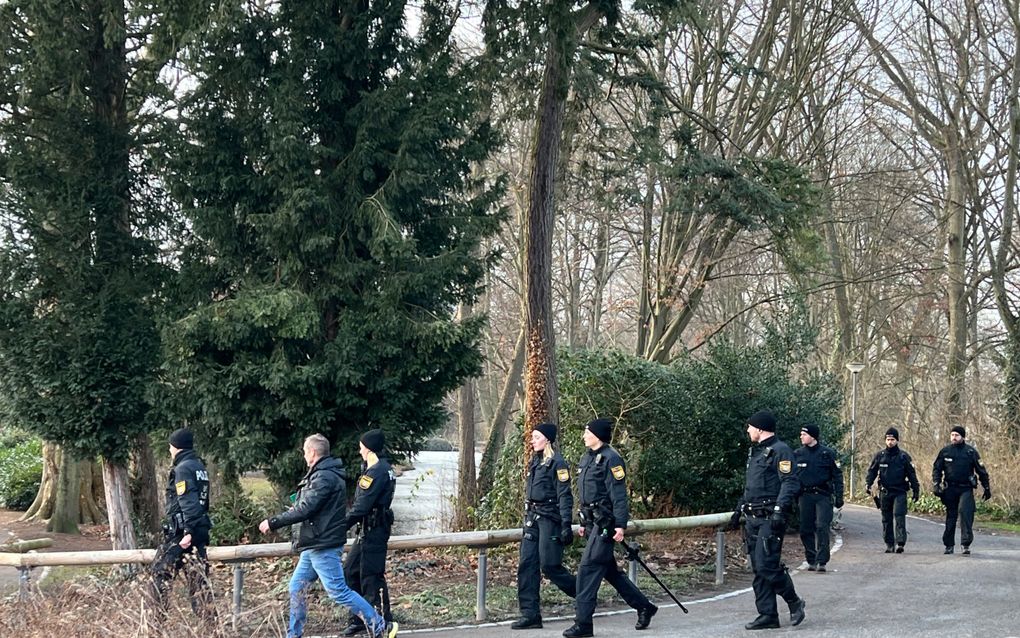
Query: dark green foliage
x,y
335,226
20,474
78,259
236,517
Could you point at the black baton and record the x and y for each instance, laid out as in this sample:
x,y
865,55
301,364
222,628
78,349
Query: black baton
x,y
632,554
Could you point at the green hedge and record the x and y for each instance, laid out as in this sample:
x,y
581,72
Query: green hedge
x,y
20,473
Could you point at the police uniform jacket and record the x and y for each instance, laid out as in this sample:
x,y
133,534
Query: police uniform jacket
x,y
547,489
320,507
187,498
818,470
771,481
602,489
373,496
895,471
957,464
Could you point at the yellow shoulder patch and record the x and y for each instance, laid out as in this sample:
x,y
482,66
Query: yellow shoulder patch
x,y
563,475
181,486
785,467
618,472
365,482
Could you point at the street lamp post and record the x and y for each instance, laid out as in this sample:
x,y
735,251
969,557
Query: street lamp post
x,y
855,369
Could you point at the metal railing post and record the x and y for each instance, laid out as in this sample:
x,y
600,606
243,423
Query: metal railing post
x,y
483,568
238,589
23,582
720,555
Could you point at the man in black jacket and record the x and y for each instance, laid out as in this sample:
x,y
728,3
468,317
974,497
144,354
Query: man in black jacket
x,y
604,511
320,513
186,530
821,489
770,487
371,519
895,472
959,466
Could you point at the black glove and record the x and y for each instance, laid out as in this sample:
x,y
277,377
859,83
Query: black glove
x,y
988,493
867,490
778,522
937,490
916,496
566,536
734,523
838,503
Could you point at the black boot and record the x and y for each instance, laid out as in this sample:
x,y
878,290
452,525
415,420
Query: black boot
x,y
889,549
353,628
966,550
949,549
579,631
763,622
899,549
797,611
527,623
644,616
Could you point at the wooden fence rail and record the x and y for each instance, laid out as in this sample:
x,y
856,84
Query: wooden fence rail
x,y
481,540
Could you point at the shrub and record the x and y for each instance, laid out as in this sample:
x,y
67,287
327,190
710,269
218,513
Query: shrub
x,y
236,517
20,474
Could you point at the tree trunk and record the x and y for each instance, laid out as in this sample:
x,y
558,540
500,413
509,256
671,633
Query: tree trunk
x,y
42,507
144,486
956,216
467,494
47,504
67,504
501,419
118,505
541,402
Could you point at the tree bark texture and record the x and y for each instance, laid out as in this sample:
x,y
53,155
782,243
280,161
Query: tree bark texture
x,y
118,505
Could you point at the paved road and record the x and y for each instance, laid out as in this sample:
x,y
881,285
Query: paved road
x,y
866,594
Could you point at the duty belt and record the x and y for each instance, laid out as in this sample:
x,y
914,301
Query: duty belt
x,y
758,510
818,489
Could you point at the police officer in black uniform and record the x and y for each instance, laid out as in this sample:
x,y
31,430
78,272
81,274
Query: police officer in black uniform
x,y
821,489
548,508
371,519
959,466
771,486
896,474
186,529
604,513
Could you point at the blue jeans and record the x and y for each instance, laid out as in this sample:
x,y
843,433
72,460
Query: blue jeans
x,y
326,566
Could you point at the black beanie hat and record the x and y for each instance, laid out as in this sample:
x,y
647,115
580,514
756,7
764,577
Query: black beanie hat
x,y
812,431
959,430
894,433
763,420
548,430
374,440
602,428
182,439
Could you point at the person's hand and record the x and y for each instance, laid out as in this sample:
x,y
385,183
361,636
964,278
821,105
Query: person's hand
x,y
867,490
185,541
988,493
566,536
916,496
618,536
734,523
937,490
838,503
778,522
264,526
580,531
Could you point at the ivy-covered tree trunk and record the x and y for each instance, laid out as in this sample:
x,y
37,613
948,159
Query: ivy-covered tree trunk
x,y
66,506
145,494
540,396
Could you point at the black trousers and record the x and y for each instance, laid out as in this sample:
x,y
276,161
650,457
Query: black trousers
x,y
541,553
598,562
365,571
815,519
771,578
959,502
171,559
894,517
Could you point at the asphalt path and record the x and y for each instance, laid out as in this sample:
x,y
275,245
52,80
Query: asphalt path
x,y
866,593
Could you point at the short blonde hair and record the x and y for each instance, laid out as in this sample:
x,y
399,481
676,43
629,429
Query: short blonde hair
x,y
318,444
